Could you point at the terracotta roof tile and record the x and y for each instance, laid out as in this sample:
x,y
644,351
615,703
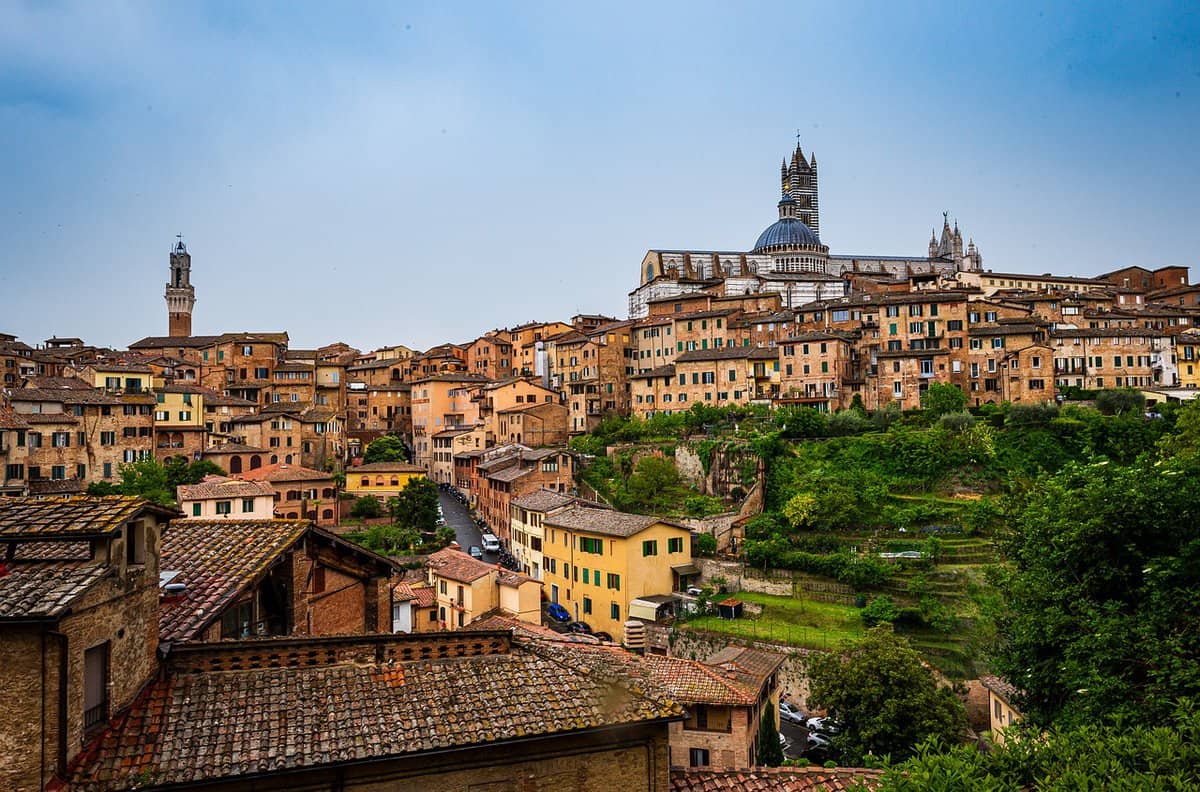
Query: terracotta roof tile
x,y
281,471
385,467
45,588
692,682
543,500
773,779
222,487
77,517
457,565
193,724
603,521
422,596
217,559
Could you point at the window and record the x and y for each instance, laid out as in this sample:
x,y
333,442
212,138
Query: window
x,y
247,505
649,548
247,351
235,621
108,438
195,509
81,471
587,545
58,472
224,507
614,612
587,605
60,440
14,472
614,581
698,757
675,545
135,543
318,581
95,686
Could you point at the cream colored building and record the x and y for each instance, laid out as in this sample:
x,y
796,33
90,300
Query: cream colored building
x,y
526,534
468,589
221,498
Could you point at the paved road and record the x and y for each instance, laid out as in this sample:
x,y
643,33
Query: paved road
x,y
458,517
797,739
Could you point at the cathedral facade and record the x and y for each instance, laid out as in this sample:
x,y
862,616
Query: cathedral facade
x,y
789,256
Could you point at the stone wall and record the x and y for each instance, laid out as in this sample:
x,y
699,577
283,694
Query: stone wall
x,y
700,645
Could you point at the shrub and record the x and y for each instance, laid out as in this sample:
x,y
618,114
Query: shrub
x,y
705,545
956,421
1117,401
366,507
880,609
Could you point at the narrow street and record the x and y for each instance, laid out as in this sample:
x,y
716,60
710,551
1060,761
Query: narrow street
x,y
458,517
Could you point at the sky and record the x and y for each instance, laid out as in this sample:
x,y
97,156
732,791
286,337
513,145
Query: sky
x,y
412,173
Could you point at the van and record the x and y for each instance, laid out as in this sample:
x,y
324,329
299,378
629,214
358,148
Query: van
x,y
490,543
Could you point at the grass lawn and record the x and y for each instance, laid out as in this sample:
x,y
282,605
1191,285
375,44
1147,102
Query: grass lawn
x,y
788,620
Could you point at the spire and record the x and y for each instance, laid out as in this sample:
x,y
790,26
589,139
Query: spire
x,y
814,159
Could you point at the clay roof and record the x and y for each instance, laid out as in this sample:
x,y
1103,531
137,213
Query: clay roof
x,y
35,419
67,518
457,565
1105,332
421,596
1001,687
662,371
281,471
691,682
120,365
751,667
385,467
773,779
222,487
508,474
336,700
543,500
70,395
160,342
216,560
603,521
45,589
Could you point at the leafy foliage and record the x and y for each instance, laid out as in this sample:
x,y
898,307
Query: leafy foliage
x,y
366,507
416,507
706,545
1116,401
155,481
942,398
1115,755
388,448
770,752
886,700
1105,566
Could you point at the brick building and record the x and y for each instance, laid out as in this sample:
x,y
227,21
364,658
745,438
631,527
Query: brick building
x,y
510,471
244,578
78,624
298,492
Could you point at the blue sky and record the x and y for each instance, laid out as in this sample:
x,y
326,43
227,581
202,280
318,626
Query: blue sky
x,y
411,173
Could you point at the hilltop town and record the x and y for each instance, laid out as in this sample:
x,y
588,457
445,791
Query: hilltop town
x,y
588,551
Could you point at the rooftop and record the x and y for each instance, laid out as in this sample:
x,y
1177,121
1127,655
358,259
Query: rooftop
x,y
222,487
543,500
386,467
281,471
243,709
216,560
773,779
45,589
71,518
603,521
728,353
453,563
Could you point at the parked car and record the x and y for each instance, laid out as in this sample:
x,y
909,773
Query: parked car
x,y
789,713
490,543
579,627
818,742
557,613
475,552
822,725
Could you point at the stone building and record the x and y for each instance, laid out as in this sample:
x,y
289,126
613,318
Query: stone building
x,y
512,470
180,295
78,624
298,492
467,589
223,498
243,578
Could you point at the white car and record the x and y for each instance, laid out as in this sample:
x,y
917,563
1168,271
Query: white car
x,y
823,725
490,543
789,713
818,740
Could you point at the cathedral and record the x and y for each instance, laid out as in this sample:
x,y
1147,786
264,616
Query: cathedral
x,y
789,256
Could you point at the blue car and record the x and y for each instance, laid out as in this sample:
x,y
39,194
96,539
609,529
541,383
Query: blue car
x,y
558,613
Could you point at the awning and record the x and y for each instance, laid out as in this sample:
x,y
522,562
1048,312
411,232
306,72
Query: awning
x,y
686,569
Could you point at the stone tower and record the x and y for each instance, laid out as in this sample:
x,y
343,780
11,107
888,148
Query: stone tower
x,y
799,183
181,296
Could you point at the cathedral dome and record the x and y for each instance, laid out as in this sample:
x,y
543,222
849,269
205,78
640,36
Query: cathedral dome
x,y
789,231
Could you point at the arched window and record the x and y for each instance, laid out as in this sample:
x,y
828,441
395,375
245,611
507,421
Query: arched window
x,y
327,514
235,464
287,460
395,481
366,481
255,462
379,481
274,458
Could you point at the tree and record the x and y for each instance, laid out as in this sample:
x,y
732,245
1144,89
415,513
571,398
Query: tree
x,y
706,545
388,448
880,609
884,697
147,479
1118,401
770,752
1100,591
654,487
366,507
942,398
416,506
1136,756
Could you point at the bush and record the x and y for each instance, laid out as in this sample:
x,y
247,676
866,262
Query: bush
x,y
367,507
956,421
705,545
881,609
1118,401
1031,414
942,398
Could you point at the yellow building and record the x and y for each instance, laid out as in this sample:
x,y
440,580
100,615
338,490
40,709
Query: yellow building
x,y
381,479
124,377
1001,712
596,561
527,515
1187,358
179,425
468,589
